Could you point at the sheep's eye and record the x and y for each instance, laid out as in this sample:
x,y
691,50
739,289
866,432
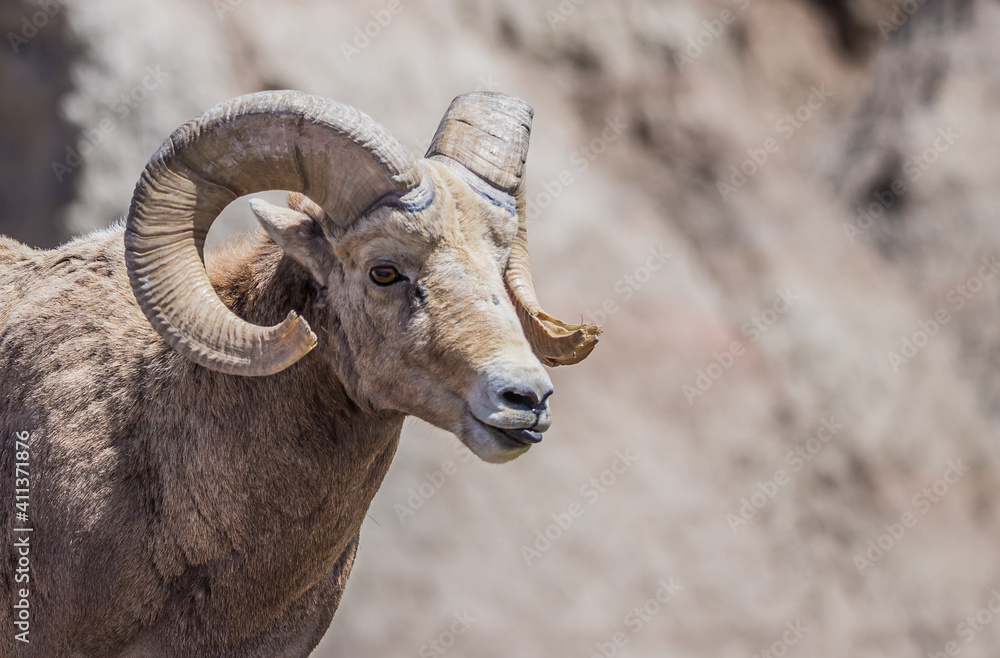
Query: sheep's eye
x,y
384,275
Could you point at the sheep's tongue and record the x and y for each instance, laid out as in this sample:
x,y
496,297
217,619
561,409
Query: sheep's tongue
x,y
524,435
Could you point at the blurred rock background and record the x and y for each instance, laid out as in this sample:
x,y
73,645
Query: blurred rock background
x,y
816,180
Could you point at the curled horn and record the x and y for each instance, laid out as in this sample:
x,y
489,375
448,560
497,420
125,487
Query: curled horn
x,y
335,155
485,136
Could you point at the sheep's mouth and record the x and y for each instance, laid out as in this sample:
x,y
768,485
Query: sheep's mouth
x,y
496,444
523,435
516,437
513,439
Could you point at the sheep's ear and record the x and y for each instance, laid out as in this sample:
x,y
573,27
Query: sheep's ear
x,y
299,235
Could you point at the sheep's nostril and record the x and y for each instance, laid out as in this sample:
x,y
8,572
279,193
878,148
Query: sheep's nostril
x,y
525,399
519,400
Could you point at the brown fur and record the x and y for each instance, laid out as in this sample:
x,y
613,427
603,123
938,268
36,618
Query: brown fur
x,y
179,511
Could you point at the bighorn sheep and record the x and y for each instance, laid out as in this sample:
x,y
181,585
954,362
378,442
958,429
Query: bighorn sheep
x,y
198,469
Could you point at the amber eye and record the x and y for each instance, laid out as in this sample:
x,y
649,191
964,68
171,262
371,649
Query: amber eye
x,y
384,275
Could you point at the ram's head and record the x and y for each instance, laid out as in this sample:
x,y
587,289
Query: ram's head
x,y
422,263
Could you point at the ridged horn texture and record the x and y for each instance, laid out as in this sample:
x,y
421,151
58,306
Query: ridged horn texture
x,y
487,133
285,140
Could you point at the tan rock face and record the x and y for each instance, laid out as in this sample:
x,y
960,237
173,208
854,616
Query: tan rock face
x,y
784,215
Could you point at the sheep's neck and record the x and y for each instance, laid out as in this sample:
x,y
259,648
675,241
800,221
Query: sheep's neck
x,y
278,472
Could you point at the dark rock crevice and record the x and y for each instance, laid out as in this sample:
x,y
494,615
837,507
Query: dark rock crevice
x,y
35,60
